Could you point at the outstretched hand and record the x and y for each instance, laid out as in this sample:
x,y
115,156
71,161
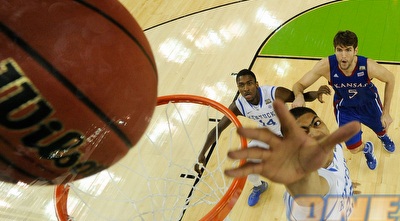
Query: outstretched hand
x,y
290,157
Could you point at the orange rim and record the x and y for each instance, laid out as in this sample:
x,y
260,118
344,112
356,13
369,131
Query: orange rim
x,y
60,201
226,203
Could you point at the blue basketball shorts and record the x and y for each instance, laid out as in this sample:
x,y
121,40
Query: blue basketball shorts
x,y
368,114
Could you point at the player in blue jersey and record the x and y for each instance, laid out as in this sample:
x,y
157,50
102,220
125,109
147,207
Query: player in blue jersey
x,y
356,97
255,102
311,165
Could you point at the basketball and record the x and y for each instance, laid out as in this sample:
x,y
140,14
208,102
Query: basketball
x,y
78,87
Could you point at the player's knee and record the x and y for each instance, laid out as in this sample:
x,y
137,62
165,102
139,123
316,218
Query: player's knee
x,y
355,148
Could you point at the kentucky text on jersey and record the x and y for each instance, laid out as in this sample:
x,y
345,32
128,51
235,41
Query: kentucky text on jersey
x,y
262,116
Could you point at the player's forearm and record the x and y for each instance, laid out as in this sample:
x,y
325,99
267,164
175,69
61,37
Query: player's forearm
x,y
389,88
211,138
298,90
311,184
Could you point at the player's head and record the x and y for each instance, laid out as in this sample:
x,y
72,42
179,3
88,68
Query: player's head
x,y
246,72
248,86
345,39
308,120
345,43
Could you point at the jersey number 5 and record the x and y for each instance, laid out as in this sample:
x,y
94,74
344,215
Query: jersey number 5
x,y
352,93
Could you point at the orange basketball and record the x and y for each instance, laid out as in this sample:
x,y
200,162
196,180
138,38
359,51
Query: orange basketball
x,y
78,86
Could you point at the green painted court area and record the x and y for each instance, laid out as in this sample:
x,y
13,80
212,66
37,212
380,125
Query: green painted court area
x,y
376,23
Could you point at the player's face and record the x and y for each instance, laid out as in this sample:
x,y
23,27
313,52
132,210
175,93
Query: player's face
x,y
313,125
248,88
345,56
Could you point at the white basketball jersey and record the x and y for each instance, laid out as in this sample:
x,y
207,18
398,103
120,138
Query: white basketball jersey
x,y
263,113
338,201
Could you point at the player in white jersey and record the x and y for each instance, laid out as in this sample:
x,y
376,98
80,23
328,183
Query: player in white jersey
x,y
337,205
263,113
311,165
255,102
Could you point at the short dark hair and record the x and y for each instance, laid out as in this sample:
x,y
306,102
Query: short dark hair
x,y
244,72
345,38
300,111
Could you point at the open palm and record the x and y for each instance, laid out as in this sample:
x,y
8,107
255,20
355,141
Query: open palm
x,y
290,157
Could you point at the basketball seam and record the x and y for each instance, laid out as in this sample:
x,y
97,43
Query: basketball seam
x,y
74,90
122,28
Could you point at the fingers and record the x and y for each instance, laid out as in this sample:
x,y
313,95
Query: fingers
x,y
325,89
384,124
249,167
197,168
244,170
320,99
386,121
340,135
260,134
288,123
288,126
250,153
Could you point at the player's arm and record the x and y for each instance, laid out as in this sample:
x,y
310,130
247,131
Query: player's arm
x,y
379,72
292,160
320,69
212,136
287,95
311,184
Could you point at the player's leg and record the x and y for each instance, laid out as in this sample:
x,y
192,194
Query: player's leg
x,y
372,119
355,144
259,186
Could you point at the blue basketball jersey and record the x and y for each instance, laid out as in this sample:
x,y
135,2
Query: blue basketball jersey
x,y
354,90
356,98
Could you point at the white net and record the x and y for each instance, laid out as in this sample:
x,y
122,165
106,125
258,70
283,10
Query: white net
x,y
156,179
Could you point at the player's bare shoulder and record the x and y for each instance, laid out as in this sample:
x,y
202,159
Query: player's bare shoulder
x,y
322,68
376,70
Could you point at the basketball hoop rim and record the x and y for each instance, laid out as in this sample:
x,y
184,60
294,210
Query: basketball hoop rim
x,y
228,200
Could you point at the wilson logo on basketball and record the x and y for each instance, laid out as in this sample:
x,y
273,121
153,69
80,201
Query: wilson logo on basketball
x,y
24,110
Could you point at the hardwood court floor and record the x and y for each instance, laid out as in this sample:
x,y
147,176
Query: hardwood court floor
x,y
197,46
